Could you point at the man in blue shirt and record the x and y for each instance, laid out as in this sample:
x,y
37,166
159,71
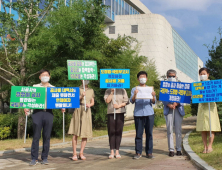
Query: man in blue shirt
x,y
144,118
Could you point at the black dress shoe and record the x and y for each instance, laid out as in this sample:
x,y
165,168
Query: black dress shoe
x,y
171,154
179,153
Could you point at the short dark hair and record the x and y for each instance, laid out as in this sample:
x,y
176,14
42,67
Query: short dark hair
x,y
204,69
140,73
44,70
171,71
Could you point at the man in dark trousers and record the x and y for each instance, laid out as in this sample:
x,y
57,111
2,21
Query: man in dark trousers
x,y
42,119
143,117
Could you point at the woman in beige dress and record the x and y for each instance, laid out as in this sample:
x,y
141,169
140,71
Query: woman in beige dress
x,y
203,124
81,122
115,127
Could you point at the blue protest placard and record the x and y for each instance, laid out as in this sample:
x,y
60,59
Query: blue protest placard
x,y
115,78
175,92
62,97
207,91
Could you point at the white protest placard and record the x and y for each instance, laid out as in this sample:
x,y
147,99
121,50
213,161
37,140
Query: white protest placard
x,y
144,92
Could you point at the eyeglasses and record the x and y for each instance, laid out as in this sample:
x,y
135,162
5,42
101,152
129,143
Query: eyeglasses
x,y
172,76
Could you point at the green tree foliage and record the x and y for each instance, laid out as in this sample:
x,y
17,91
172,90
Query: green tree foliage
x,y
15,36
76,33
214,64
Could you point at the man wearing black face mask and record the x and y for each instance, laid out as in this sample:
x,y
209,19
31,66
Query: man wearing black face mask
x,y
42,119
173,113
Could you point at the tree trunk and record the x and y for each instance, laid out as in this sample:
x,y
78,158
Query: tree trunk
x,y
21,124
2,106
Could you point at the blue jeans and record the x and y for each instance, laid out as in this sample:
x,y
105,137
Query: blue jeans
x,y
141,123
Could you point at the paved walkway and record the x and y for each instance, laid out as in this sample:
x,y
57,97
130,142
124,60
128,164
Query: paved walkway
x,y
97,155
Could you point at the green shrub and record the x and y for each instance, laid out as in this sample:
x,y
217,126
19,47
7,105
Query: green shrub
x,y
10,121
219,108
188,109
158,113
4,132
57,129
194,109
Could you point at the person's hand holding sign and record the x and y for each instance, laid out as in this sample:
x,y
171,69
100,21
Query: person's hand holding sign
x,y
112,91
83,93
82,96
116,106
153,94
175,104
134,96
88,105
26,112
171,106
135,92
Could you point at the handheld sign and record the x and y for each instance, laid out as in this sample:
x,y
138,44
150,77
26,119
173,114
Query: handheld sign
x,y
115,79
25,97
82,70
62,97
207,92
144,92
175,92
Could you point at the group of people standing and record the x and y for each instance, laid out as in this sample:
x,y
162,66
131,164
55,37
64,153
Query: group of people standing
x,y
81,122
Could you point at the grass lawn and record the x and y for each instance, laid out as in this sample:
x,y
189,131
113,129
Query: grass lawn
x,y
214,158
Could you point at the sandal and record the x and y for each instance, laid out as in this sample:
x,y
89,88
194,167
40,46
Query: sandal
x,y
204,151
81,156
210,150
111,156
118,156
74,158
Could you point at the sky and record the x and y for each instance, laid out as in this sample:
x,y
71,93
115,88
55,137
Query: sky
x,y
197,21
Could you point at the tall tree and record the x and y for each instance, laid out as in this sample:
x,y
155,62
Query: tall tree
x,y
15,36
214,63
77,33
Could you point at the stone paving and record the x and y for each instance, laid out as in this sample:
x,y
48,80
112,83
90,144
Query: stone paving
x,y
97,152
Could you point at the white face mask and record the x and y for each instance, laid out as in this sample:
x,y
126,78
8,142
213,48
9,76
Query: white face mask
x,y
45,79
142,80
172,79
86,82
203,77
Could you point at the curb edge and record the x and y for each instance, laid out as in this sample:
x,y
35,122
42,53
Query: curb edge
x,y
193,156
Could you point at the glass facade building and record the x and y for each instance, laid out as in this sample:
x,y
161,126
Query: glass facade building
x,y
115,7
119,7
186,59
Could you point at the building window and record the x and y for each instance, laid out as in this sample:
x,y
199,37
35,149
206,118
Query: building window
x,y
126,8
111,29
134,28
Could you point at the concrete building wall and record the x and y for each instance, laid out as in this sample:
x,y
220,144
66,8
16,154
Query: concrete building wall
x,y
139,5
155,37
